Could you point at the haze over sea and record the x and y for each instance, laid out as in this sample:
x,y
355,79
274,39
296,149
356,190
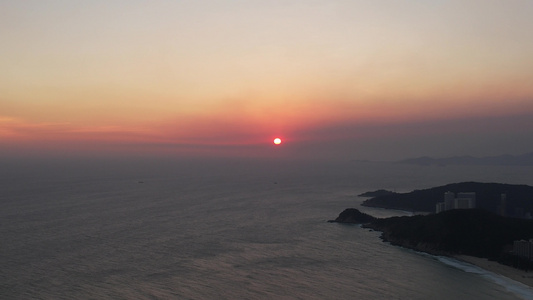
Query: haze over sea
x,y
234,229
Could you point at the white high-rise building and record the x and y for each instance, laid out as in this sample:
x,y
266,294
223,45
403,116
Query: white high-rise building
x,y
462,201
449,198
470,197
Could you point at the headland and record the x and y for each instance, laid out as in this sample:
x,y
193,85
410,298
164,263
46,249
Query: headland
x,y
478,236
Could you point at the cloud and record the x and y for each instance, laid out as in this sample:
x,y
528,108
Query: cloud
x,y
15,128
240,134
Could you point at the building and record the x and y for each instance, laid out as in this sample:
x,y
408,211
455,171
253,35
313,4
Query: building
x,y
462,201
469,197
449,200
440,207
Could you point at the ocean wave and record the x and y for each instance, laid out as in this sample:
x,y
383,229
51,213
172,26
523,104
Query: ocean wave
x,y
519,289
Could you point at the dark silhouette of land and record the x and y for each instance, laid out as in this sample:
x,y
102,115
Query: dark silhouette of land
x,y
473,232
519,198
376,193
488,231
354,216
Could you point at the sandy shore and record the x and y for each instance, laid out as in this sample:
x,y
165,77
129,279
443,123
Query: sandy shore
x,y
494,267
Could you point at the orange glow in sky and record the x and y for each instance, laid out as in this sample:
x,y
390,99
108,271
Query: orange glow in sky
x,y
342,78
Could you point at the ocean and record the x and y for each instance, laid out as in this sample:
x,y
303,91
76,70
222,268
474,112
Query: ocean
x,y
222,229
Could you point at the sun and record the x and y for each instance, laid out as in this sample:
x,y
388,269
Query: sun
x,y
277,141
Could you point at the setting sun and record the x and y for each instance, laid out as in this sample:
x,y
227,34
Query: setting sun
x,y
277,141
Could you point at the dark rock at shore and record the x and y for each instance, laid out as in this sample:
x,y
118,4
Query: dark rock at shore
x,y
353,216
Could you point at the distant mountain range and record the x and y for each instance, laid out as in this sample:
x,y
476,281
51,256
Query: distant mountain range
x,y
501,160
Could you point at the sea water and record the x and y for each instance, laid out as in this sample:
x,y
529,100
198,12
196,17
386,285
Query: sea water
x,y
236,229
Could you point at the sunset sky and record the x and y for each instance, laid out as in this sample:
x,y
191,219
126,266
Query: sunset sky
x,y
334,79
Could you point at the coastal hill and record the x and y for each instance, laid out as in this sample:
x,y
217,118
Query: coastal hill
x,y
488,196
354,216
376,193
474,232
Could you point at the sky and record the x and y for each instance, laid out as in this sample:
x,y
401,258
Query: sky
x,y
345,80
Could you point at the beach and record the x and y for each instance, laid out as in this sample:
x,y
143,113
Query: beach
x,y
503,270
